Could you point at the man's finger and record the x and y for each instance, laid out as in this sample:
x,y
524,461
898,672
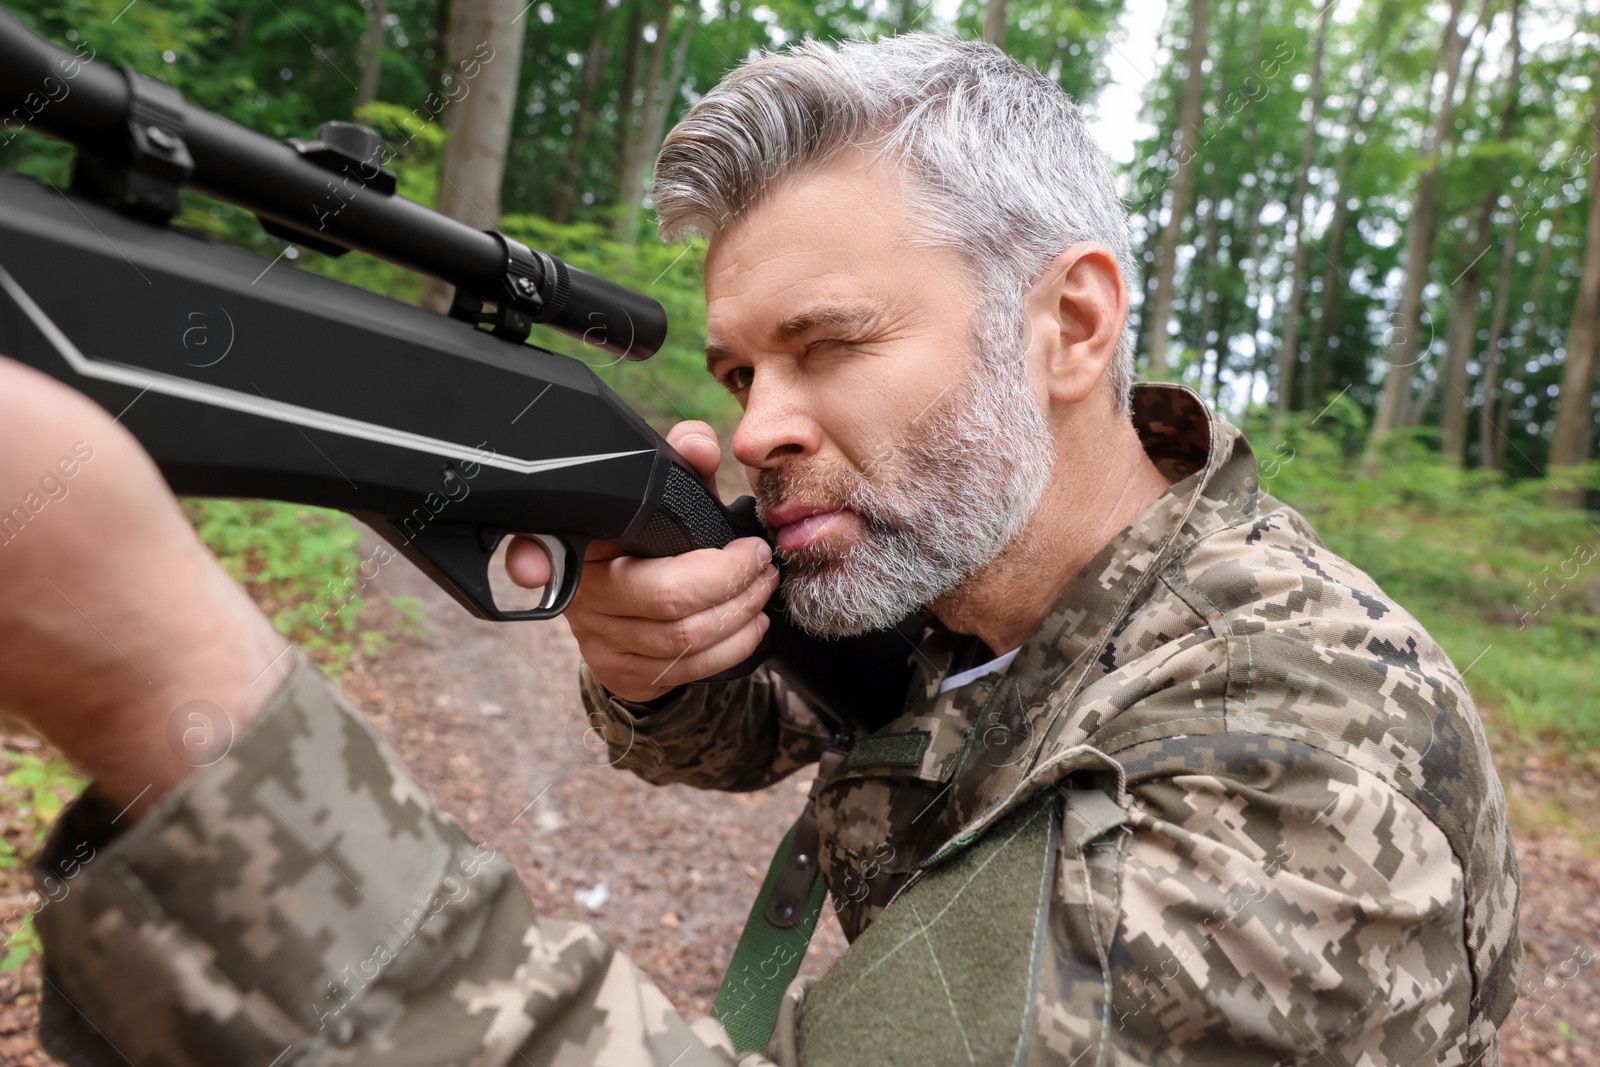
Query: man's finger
x,y
528,563
675,587
697,442
737,648
657,639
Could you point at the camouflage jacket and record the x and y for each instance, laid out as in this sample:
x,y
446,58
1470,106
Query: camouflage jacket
x,y
1228,805
303,903
1274,830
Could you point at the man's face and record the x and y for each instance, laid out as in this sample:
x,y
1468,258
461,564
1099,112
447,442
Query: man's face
x,y
896,449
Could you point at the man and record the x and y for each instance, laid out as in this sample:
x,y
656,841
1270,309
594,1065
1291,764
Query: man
x,y
1171,783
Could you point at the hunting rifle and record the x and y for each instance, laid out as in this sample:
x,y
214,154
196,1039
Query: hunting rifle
x,y
443,434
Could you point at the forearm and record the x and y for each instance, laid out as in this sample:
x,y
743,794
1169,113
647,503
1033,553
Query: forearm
x,y
115,616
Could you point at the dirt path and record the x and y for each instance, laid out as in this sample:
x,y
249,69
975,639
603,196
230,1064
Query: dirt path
x,y
487,715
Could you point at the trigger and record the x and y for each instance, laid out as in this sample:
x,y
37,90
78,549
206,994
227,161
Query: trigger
x,y
556,549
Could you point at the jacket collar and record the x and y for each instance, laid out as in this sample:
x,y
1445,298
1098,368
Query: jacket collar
x,y
1026,710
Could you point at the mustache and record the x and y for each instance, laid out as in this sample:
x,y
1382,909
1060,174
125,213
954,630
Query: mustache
x,y
828,487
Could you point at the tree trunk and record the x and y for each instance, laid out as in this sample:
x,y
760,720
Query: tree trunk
x,y
656,127
1253,314
907,15
630,176
241,28
486,53
633,44
1257,199
1469,283
1210,300
1463,330
994,23
1224,324
1405,349
372,54
1569,445
1357,122
594,61
1332,273
1416,410
1488,447
1147,298
1517,356
1289,346
1207,273
1182,184
440,35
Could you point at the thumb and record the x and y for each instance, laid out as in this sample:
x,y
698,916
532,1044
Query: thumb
x,y
697,442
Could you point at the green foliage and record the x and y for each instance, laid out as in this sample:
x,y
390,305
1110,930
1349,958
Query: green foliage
x,y
305,569
1508,583
20,946
34,790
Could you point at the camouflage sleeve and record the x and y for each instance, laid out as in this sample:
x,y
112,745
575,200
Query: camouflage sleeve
x,y
738,735
1286,907
302,902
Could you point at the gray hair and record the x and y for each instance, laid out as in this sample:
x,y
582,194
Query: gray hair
x,y
1005,170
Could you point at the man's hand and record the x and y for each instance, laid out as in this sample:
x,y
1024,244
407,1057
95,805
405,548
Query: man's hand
x,y
645,626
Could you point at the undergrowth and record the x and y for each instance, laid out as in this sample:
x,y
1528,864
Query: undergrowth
x,y
303,566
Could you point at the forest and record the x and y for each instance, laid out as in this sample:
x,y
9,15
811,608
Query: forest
x,y
1367,230
1368,233
1384,200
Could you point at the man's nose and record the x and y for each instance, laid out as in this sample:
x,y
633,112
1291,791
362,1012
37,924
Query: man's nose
x,y
776,425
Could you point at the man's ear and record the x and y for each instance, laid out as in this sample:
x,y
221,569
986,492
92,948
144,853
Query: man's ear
x,y
1077,308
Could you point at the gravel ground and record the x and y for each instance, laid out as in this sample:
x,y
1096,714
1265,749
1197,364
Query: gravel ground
x,y
487,716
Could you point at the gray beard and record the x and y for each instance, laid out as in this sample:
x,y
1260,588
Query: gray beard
x,y
940,505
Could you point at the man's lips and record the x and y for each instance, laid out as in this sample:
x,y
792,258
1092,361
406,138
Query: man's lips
x,y
798,525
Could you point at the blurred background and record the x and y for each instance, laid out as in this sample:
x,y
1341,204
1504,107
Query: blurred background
x,y
1368,233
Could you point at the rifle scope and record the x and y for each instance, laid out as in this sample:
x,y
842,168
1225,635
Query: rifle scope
x,y
331,194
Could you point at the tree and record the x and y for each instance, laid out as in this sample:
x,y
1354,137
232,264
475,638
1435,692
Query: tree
x,y
1569,445
372,57
994,23
1469,283
624,135
594,59
630,176
908,14
1358,121
1404,351
1182,184
1289,347
1517,356
485,50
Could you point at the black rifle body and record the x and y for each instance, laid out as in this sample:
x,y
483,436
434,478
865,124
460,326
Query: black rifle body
x,y
246,377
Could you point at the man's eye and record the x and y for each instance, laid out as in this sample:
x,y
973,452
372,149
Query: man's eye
x,y
739,379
